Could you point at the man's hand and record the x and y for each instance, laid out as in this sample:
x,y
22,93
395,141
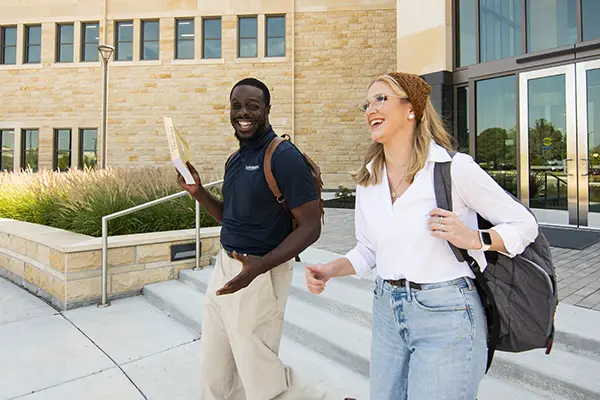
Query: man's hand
x,y
252,266
190,188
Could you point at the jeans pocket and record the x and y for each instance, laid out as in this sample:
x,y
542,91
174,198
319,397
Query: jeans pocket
x,y
443,299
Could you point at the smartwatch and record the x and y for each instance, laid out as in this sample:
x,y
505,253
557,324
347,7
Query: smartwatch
x,y
486,240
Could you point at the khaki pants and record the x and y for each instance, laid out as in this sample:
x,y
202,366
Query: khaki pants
x,y
241,333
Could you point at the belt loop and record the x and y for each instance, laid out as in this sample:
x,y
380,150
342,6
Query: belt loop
x,y
469,283
408,292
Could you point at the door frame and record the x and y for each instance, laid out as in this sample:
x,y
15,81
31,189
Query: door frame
x,y
571,136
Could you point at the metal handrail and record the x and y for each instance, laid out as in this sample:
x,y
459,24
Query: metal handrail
x,y
106,218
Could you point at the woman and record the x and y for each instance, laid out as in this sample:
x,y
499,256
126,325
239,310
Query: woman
x,y
429,328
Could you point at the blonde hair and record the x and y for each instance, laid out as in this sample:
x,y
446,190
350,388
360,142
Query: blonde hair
x,y
430,127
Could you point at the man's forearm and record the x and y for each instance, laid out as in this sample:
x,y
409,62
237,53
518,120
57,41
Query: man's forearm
x,y
213,205
294,244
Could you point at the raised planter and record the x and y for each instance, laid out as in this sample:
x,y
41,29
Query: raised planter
x,y
65,267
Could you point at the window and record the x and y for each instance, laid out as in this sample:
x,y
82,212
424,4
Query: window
x,y
90,34
62,149
33,44
500,29
124,41
31,144
462,118
275,36
211,32
247,40
64,43
7,142
550,23
89,148
184,34
496,126
466,46
150,40
590,9
8,45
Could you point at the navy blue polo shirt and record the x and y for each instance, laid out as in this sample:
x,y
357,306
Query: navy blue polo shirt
x,y
253,221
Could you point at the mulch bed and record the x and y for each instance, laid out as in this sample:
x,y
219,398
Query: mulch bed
x,y
340,203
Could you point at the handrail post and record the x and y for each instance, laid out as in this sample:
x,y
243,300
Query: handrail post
x,y
105,302
197,234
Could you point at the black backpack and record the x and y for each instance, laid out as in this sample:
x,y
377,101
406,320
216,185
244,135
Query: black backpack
x,y
519,294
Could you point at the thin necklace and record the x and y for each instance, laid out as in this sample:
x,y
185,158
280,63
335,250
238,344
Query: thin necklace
x,y
401,180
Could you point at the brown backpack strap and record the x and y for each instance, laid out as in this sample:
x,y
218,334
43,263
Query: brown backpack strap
x,y
229,159
269,170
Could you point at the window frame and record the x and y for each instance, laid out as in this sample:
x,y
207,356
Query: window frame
x,y
2,132
143,41
3,45
118,42
24,149
239,35
267,37
204,39
28,45
59,43
81,148
56,150
177,40
84,42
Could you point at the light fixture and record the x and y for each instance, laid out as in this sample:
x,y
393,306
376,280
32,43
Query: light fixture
x,y
106,51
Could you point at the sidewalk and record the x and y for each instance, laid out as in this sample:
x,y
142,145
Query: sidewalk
x,y
114,353
578,271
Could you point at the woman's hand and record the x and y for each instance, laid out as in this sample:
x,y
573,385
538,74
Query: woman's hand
x,y
446,225
317,276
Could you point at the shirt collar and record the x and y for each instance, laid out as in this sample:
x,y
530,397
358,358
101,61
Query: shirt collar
x,y
263,140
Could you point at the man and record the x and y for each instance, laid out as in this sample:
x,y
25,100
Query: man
x,y
246,296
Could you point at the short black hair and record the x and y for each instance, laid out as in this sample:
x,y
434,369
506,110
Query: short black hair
x,y
257,84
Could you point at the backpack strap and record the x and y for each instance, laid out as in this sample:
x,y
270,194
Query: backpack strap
x,y
229,159
269,170
442,179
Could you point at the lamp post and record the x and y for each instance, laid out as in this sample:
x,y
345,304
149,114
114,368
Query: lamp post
x,y
106,52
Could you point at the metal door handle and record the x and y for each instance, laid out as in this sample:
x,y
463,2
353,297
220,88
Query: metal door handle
x,y
585,164
566,166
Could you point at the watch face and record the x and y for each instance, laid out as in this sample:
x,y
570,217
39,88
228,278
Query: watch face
x,y
486,238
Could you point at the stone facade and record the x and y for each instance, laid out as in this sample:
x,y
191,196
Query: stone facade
x,y
65,268
336,49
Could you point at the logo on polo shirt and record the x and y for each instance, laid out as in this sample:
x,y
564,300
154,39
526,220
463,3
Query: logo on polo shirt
x,y
251,167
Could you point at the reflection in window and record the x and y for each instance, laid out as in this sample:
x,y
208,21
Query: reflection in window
x,y
7,142
91,35
275,36
247,28
31,146
150,40
593,114
185,39
62,149
89,148
551,23
8,45
33,44
212,38
462,119
590,10
64,44
496,116
466,51
500,29
124,40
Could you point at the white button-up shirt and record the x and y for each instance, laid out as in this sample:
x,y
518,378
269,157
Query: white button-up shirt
x,y
396,238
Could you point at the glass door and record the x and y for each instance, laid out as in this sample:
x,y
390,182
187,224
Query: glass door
x,y
548,144
588,123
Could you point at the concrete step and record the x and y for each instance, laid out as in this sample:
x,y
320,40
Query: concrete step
x,y
183,303
492,388
335,336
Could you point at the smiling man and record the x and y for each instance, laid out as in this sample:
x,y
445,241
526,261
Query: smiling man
x,y
247,293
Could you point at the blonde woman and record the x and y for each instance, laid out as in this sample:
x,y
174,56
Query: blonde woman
x,y
429,328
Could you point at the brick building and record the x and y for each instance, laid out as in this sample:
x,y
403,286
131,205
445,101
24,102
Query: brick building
x,y
517,80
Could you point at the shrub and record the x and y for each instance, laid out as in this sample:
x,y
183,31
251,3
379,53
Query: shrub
x,y
344,193
78,199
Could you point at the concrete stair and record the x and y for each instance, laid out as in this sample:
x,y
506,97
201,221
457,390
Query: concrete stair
x,y
327,340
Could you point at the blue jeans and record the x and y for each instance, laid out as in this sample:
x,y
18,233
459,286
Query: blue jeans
x,y
428,344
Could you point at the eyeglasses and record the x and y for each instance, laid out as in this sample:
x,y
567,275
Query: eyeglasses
x,y
378,101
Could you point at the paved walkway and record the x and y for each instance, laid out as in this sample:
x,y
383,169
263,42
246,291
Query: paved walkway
x,y
578,271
